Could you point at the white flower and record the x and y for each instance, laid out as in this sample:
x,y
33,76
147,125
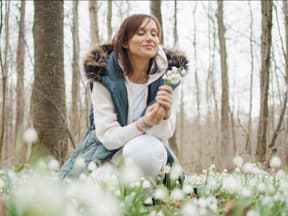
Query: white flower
x,y
53,165
79,163
177,195
275,162
280,174
252,213
167,169
190,209
130,172
202,202
173,76
250,168
246,192
2,183
148,201
175,79
146,184
238,161
188,189
160,194
91,166
261,187
30,135
231,184
176,172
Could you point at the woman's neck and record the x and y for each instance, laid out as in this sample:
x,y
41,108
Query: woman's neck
x,y
139,70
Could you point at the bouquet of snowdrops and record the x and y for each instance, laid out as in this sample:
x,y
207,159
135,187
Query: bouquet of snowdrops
x,y
174,76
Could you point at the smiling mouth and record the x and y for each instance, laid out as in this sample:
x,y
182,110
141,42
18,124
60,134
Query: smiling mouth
x,y
149,46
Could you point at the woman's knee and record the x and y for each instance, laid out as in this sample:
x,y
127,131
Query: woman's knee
x,y
148,152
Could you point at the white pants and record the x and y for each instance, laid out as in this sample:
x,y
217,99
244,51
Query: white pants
x,y
148,153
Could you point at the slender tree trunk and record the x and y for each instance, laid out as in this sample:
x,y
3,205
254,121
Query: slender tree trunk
x,y
211,85
284,104
94,29
266,8
155,9
75,120
175,30
248,146
20,98
4,76
109,20
173,140
226,147
285,12
48,107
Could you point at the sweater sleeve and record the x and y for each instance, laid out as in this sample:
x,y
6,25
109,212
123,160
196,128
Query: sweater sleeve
x,y
107,128
165,129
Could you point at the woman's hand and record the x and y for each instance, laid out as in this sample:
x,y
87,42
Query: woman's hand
x,y
165,98
154,114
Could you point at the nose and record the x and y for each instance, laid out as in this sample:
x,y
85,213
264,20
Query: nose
x,y
148,37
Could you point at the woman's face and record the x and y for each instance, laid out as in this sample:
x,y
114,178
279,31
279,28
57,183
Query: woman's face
x,y
145,42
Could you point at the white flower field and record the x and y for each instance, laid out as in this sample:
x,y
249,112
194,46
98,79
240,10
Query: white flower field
x,y
110,191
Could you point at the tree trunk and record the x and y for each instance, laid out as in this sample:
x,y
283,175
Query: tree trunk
x,y
48,107
20,98
94,29
175,30
285,12
155,9
266,8
226,147
109,20
248,145
75,120
4,67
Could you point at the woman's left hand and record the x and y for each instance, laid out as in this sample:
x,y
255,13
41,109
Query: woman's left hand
x,y
164,97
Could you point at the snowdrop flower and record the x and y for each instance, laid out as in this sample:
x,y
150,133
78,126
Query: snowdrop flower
x,y
167,169
175,79
82,177
53,165
130,172
246,192
202,202
146,184
238,161
177,195
148,201
161,194
281,174
174,76
153,213
252,213
275,162
176,172
249,168
2,184
79,163
212,184
188,189
231,184
30,135
189,209
91,166
261,187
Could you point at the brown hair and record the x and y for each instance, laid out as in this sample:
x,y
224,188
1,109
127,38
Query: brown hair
x,y
126,31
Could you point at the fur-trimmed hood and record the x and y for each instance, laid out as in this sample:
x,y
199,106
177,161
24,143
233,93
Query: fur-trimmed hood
x,y
95,63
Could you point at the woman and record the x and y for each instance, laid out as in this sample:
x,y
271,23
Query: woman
x,y
133,114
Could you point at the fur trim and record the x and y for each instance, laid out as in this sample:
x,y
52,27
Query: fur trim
x,y
95,65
